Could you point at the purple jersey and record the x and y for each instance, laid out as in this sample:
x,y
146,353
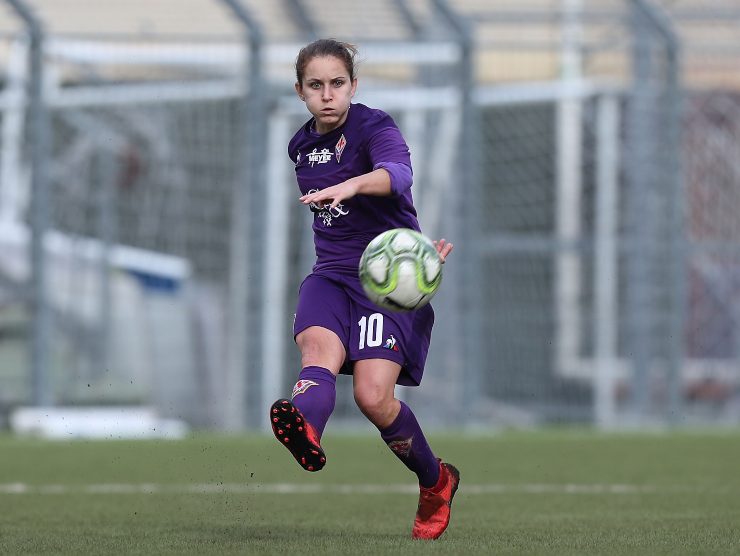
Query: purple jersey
x,y
367,138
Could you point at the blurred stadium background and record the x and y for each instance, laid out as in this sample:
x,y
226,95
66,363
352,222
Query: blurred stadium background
x,y
583,157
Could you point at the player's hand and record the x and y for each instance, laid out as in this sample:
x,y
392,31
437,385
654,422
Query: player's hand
x,y
443,248
334,194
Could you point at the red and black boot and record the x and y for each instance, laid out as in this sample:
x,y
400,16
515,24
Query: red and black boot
x,y
297,435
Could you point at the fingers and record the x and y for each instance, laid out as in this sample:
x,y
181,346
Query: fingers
x,y
322,203
310,198
334,195
320,198
443,248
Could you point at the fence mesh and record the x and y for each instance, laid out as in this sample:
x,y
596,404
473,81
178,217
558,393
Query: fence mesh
x,y
601,277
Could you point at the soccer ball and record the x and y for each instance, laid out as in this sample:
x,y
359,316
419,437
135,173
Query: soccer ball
x,y
400,270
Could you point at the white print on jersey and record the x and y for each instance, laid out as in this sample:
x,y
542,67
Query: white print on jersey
x,y
326,213
321,157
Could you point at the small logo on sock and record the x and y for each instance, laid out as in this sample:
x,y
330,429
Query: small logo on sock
x,y
390,343
401,448
301,386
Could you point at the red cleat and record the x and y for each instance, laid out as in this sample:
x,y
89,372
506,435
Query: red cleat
x,y
433,514
298,436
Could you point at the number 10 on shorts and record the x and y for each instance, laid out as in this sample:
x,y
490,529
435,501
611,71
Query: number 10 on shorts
x,y
371,330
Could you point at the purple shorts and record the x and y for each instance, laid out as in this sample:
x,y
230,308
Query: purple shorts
x,y
337,302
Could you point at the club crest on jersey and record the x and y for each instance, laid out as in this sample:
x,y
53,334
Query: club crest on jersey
x,y
301,386
319,157
339,147
391,343
401,448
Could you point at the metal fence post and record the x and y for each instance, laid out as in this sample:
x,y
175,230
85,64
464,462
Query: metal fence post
x,y
673,176
606,248
641,135
677,352
470,286
107,229
247,231
39,131
654,170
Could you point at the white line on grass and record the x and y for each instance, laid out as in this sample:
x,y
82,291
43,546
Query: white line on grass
x,y
297,488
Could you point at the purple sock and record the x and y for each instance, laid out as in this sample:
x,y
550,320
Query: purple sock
x,y
314,394
405,439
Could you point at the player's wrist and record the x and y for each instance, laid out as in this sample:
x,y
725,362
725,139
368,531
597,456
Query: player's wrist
x,y
377,183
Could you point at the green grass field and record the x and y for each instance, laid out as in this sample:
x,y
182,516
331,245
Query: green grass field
x,y
546,492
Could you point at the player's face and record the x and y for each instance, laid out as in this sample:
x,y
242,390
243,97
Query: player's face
x,y
327,91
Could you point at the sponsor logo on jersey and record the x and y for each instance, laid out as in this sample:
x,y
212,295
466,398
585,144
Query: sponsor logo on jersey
x,y
298,158
325,212
339,147
390,343
319,157
301,386
401,448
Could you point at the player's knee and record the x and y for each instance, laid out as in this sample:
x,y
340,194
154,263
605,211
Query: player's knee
x,y
319,348
313,352
375,404
312,355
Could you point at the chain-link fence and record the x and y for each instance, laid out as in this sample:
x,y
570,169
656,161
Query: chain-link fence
x,y
580,156
588,240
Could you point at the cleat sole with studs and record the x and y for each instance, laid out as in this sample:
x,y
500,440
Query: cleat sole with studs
x,y
288,427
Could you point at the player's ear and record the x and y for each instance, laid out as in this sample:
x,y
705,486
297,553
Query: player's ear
x,y
354,86
299,91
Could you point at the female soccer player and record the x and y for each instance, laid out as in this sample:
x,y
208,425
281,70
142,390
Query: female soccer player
x,y
354,172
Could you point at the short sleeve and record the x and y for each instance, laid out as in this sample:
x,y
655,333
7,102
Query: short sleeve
x,y
388,145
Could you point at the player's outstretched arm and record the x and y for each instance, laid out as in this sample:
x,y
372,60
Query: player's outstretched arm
x,y
444,248
377,182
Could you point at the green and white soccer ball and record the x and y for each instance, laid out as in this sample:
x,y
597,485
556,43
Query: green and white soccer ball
x,y
400,270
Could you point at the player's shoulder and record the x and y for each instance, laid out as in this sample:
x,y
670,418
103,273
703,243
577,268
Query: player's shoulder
x,y
370,118
299,138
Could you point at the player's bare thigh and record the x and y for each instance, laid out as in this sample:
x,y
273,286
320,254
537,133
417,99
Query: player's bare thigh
x,y
374,390
320,347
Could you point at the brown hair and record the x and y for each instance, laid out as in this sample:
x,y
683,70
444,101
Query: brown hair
x,y
344,51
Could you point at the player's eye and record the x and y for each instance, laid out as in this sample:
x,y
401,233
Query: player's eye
x,y
338,82
315,85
